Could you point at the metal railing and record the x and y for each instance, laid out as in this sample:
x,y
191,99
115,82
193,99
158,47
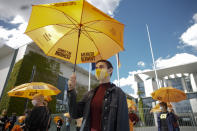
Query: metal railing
x,y
187,120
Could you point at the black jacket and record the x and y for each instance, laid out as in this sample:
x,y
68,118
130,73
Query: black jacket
x,y
114,109
38,119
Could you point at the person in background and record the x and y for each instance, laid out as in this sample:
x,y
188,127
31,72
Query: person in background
x,y
47,99
21,120
68,121
103,108
133,118
59,124
12,121
78,123
3,120
175,123
165,119
38,119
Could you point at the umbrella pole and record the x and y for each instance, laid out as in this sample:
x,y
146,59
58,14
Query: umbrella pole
x,y
79,34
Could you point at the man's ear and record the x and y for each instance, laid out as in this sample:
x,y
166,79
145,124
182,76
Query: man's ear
x,y
110,70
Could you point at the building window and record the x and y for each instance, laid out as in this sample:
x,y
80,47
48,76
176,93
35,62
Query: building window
x,y
188,84
141,90
62,85
176,83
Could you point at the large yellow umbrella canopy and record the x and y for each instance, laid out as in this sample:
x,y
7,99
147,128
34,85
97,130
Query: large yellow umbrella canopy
x,y
75,31
157,107
168,94
28,90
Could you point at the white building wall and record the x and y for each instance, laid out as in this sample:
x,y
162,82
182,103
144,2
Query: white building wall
x,y
193,78
21,53
5,63
67,71
148,87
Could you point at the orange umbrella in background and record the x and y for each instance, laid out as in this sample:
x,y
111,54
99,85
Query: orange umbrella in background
x,y
56,118
75,31
168,94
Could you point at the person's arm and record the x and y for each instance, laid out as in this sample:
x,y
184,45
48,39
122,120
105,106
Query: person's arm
x,y
122,112
76,108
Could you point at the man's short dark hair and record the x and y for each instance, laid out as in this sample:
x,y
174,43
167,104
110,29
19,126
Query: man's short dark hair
x,y
163,104
109,65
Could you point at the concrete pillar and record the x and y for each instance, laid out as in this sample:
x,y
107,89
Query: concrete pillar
x,y
165,82
193,79
184,84
155,114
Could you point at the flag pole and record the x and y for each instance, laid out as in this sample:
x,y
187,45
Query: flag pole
x,y
90,66
154,66
118,69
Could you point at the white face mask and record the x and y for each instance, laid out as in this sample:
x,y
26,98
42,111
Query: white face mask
x,y
161,108
101,74
34,102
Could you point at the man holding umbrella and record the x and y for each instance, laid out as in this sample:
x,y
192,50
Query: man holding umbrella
x,y
103,108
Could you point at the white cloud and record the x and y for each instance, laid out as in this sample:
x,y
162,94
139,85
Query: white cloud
x,y
107,6
195,18
141,64
189,37
15,37
178,59
18,11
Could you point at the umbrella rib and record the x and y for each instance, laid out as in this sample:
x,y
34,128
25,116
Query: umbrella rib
x,y
88,36
67,16
66,26
94,21
59,40
61,12
105,35
48,25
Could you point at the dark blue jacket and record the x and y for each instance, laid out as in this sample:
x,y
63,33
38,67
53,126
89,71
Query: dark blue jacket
x,y
170,120
114,109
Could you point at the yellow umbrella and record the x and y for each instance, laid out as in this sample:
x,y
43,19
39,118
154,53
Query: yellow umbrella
x,y
168,94
131,104
67,115
28,90
75,31
56,118
157,107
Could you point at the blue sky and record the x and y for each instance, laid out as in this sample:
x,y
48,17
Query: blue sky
x,y
172,25
167,20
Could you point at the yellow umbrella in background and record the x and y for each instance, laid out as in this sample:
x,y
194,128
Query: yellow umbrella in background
x,y
131,104
168,94
67,115
28,90
56,118
75,31
157,107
